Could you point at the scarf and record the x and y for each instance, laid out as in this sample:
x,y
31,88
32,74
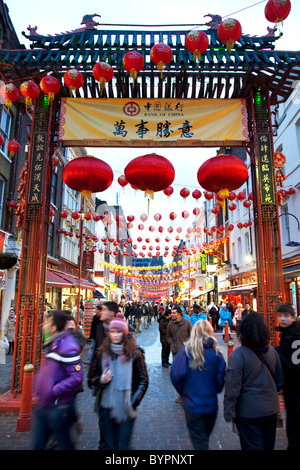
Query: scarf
x,y
117,394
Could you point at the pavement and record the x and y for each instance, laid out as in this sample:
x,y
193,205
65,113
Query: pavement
x,y
160,423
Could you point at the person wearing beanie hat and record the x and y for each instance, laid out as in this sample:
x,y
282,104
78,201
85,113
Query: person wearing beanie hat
x,y
120,380
289,354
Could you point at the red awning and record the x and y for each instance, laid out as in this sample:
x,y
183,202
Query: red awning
x,y
84,284
54,280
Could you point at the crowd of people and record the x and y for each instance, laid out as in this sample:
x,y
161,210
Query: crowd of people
x,y
118,377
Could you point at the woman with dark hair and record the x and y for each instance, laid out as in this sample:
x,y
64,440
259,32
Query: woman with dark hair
x,y
120,379
253,379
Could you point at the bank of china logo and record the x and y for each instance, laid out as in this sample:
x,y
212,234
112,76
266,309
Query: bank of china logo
x,y
131,108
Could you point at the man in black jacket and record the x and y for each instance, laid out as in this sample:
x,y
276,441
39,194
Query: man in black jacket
x,y
289,353
165,347
95,322
138,318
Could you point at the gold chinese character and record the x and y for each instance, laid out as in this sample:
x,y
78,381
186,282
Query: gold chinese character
x,y
37,177
39,158
39,147
40,138
265,159
36,188
265,168
37,167
268,198
35,198
267,188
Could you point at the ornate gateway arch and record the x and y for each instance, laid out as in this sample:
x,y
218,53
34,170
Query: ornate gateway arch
x,y
248,80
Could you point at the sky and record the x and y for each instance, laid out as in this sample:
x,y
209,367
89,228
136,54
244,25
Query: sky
x,y
60,16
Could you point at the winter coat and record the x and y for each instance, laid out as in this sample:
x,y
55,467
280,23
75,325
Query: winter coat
x,y
199,388
9,329
195,317
178,333
139,382
250,390
162,325
289,354
61,373
137,312
225,315
95,322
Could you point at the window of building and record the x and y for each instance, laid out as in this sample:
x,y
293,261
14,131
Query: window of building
x,y
5,127
240,252
51,240
54,189
285,225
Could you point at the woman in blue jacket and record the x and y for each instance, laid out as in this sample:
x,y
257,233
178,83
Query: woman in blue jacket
x,y
198,373
225,315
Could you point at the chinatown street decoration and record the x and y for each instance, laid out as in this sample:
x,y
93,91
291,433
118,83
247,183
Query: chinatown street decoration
x,y
222,174
196,194
168,191
133,62
88,175
103,73
13,147
50,86
161,54
122,181
184,192
279,162
197,43
30,90
73,79
229,31
277,10
150,173
9,93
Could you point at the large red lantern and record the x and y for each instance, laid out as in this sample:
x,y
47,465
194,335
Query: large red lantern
x,y
13,147
277,10
103,73
88,175
222,174
9,93
229,31
30,91
73,80
50,86
196,42
161,54
150,173
133,62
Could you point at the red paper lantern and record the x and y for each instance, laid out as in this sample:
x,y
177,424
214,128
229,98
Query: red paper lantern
x,y
232,206
157,217
241,196
196,211
168,191
103,73
229,31
75,215
151,228
230,227
64,214
73,80
133,62
185,214
30,91
196,194
231,196
144,217
161,54
196,42
247,204
96,217
141,227
9,93
130,218
173,215
150,173
13,147
277,10
208,195
291,191
222,174
184,193
12,205
88,216
239,225
88,175
50,86
215,210
122,181
160,229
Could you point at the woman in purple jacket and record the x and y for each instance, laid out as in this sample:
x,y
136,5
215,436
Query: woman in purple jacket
x,y
57,384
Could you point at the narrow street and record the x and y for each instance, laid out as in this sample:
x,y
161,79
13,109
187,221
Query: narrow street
x,y
160,423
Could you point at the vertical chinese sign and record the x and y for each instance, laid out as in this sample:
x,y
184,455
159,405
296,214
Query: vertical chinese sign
x,y
36,183
266,169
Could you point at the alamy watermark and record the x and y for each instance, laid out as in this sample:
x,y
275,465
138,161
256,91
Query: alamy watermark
x,y
296,355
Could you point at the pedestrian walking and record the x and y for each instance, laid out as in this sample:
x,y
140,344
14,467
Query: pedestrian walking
x,y
289,354
165,347
225,315
198,373
57,384
109,312
253,379
238,314
178,331
138,318
120,381
198,314
93,333
247,310
214,314
9,330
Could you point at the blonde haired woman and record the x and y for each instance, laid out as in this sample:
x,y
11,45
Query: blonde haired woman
x,y
198,373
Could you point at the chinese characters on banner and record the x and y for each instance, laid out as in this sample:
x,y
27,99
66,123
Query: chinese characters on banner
x,y
266,170
88,260
113,121
36,184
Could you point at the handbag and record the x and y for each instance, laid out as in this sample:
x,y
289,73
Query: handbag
x,y
279,423
4,343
